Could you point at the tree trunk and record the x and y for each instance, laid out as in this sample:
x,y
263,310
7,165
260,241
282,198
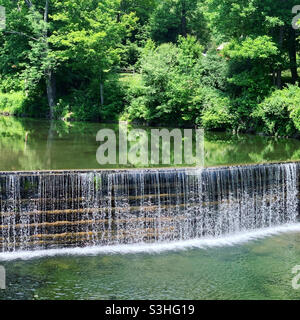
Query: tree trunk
x,y
29,3
279,78
49,74
51,92
101,90
50,78
183,21
293,55
279,70
101,94
46,11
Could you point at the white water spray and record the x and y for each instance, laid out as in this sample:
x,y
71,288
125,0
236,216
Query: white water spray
x,y
143,209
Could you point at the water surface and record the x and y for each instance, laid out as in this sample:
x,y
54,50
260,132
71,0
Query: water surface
x,y
260,269
63,145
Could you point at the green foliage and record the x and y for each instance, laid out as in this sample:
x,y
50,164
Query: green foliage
x,y
11,83
261,47
172,18
213,70
181,86
114,99
213,63
18,104
216,112
156,68
142,8
12,103
280,113
82,39
82,104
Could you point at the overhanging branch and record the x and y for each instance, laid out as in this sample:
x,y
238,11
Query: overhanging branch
x,y
21,34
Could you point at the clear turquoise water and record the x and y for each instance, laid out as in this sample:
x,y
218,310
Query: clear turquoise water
x,y
260,269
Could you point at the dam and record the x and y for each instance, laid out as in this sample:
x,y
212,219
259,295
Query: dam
x,y
62,209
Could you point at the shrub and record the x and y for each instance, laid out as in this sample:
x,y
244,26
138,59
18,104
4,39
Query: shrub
x,y
84,104
280,112
212,69
216,111
12,103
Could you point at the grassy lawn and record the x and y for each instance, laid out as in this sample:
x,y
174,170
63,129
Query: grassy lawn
x,y
131,79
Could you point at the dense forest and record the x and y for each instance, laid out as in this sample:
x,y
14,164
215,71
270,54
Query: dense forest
x,y
219,64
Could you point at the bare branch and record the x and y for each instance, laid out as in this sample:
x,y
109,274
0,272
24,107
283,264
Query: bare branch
x,y
21,34
29,3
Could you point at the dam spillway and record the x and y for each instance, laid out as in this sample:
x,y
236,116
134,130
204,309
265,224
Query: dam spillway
x,y
58,209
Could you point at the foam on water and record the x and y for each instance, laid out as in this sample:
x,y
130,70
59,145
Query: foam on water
x,y
155,248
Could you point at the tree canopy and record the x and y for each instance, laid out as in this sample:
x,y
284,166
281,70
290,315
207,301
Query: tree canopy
x,y
220,64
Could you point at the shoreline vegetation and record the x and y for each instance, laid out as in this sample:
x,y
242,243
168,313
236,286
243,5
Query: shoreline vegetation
x,y
221,65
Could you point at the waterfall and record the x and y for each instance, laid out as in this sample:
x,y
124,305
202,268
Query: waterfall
x,y
41,210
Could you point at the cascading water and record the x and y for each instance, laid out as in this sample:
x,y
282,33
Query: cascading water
x,y
69,209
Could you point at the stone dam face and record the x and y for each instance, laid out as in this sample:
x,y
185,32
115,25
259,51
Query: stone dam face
x,y
58,209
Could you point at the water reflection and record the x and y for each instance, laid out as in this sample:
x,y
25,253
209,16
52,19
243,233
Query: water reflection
x,y
226,149
27,144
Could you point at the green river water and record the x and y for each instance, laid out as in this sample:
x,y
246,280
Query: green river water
x,y
261,269
74,146
257,269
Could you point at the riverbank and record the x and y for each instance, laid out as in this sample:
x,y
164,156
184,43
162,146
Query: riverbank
x,y
267,119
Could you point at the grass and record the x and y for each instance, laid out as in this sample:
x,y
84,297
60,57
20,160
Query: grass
x,y
131,79
12,103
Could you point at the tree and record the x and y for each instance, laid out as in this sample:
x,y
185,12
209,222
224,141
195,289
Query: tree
x,y
238,19
89,36
141,8
38,61
172,18
175,88
83,37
